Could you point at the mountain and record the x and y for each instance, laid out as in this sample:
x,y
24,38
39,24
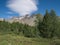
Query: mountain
x,y
30,20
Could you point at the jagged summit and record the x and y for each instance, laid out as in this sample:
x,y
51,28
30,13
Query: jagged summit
x,y
22,19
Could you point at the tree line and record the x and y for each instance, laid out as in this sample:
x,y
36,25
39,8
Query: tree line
x,y
48,27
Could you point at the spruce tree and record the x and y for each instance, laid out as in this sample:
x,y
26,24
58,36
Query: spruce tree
x,y
54,23
46,25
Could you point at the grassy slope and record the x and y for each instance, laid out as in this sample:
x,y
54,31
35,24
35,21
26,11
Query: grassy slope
x,y
19,40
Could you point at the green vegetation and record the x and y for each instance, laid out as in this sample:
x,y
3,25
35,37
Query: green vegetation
x,y
49,26
45,32
9,39
17,40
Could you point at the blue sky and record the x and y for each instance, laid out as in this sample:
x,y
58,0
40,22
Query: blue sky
x,y
5,12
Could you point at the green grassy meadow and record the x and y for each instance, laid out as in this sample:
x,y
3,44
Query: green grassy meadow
x,y
9,39
20,40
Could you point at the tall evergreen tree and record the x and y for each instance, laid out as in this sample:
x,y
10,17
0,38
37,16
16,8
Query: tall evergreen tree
x,y
45,32
54,22
48,26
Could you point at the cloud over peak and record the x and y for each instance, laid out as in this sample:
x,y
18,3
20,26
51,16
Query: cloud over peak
x,y
23,7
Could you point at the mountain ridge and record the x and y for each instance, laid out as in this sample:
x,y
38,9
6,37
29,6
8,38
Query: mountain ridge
x,y
30,20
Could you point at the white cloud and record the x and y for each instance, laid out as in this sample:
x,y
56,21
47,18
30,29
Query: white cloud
x,y
22,7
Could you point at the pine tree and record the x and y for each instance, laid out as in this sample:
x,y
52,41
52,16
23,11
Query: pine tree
x,y
53,22
45,31
46,26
